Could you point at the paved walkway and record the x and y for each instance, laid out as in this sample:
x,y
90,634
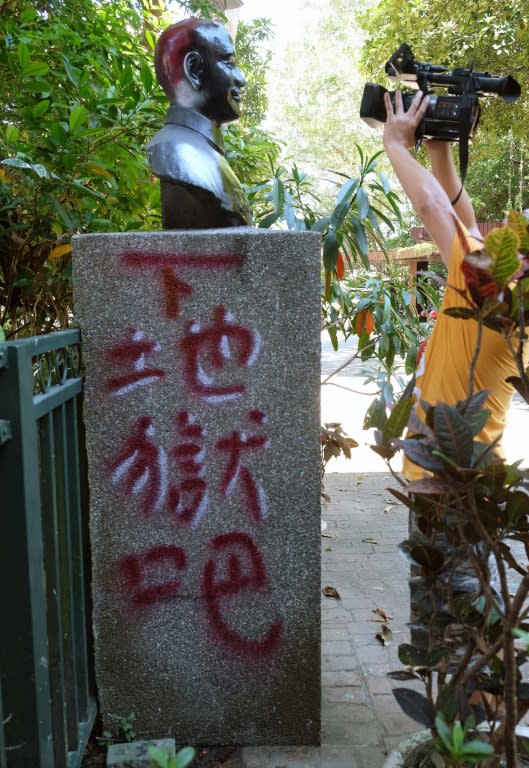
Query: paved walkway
x,y
361,720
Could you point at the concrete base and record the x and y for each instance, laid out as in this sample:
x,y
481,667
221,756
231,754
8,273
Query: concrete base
x,y
203,438
135,754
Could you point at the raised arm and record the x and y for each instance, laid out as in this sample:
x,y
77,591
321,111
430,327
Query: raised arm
x,y
444,170
426,194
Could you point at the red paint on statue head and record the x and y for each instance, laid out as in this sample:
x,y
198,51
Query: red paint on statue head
x,y
173,45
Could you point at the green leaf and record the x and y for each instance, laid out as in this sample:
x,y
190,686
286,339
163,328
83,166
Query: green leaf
x,y
278,196
161,757
463,313
40,170
12,134
398,418
62,213
339,213
410,363
146,77
267,221
184,757
520,224
503,244
376,416
27,16
78,116
150,39
330,250
35,69
444,732
23,55
362,243
458,736
477,748
362,203
41,108
333,335
16,162
73,73
346,192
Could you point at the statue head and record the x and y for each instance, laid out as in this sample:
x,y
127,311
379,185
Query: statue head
x,y
195,65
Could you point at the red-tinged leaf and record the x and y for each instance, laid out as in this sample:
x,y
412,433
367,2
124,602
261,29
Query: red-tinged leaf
x,y
480,283
340,265
520,385
420,453
386,452
422,554
403,498
416,706
364,323
453,434
431,486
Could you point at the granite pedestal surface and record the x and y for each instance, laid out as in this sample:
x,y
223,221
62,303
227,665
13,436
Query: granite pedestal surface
x,y
203,437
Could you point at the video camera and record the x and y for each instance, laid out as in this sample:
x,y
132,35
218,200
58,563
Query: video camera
x,y
453,117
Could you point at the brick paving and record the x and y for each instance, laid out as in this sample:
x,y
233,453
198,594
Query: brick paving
x,y
361,720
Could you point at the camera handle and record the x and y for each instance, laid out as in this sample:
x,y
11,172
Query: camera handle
x,y
465,124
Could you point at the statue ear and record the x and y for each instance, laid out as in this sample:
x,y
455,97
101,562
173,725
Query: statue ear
x,y
194,69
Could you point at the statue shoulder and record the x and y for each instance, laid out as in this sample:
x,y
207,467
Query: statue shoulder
x,y
180,154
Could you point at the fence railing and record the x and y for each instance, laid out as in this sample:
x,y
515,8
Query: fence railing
x,y
47,702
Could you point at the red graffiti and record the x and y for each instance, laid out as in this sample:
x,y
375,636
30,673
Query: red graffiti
x,y
188,501
237,555
142,574
130,353
235,445
141,466
174,289
221,345
150,259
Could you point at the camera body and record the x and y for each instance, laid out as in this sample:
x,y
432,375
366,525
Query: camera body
x,y
453,116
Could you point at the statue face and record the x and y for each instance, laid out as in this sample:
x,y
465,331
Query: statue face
x,y
222,81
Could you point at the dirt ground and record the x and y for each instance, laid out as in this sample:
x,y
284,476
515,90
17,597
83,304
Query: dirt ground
x,y
218,757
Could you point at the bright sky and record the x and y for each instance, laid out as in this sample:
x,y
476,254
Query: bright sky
x,y
286,15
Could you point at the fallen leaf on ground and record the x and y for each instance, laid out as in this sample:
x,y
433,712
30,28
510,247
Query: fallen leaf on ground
x,y
370,541
331,592
382,613
388,509
385,636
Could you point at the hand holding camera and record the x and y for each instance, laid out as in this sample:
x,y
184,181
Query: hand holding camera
x,y
401,124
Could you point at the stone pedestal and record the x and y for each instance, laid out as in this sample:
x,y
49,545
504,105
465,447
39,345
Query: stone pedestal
x,y
203,436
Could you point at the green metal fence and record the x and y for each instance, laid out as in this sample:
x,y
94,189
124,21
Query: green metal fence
x,y
47,691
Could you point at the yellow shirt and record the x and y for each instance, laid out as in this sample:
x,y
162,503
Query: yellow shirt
x,y
443,374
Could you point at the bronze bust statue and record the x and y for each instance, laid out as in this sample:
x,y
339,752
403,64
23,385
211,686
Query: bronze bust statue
x,y
195,65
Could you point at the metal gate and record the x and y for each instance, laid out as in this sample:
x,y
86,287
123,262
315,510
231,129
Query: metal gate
x,y
47,689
